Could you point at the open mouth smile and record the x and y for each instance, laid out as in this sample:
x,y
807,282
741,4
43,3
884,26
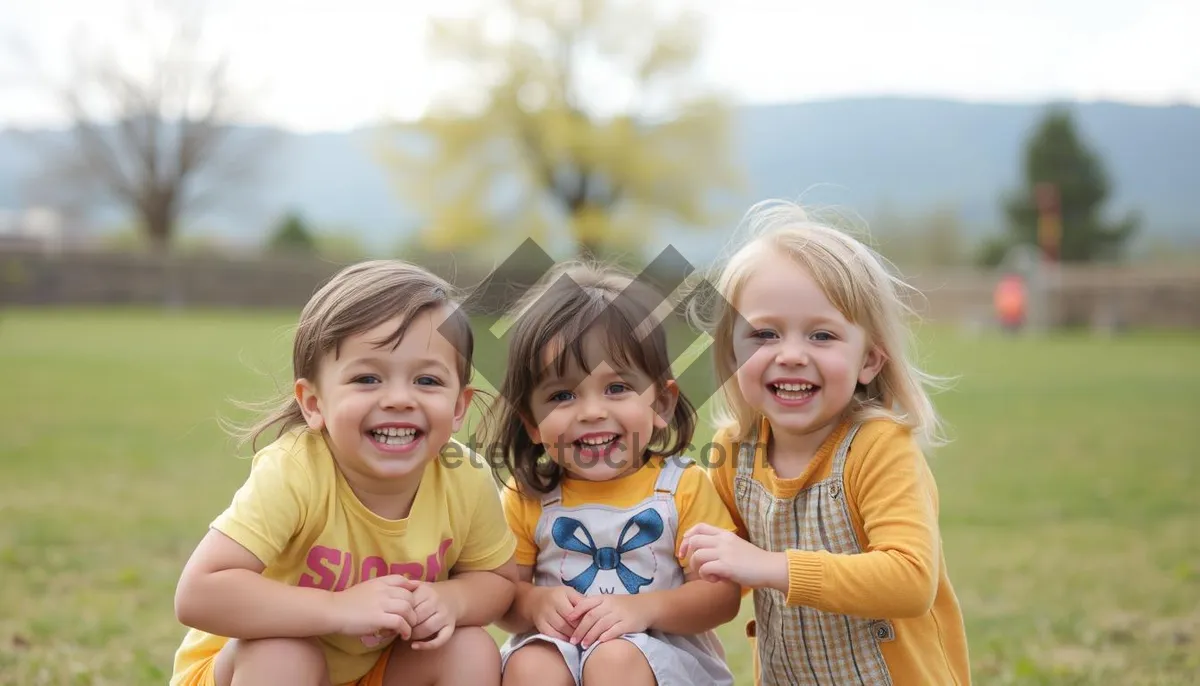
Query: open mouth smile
x,y
395,438
597,444
793,392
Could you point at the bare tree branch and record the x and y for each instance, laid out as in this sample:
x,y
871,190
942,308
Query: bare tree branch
x,y
153,137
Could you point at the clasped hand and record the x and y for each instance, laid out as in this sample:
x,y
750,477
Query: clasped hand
x,y
394,605
565,614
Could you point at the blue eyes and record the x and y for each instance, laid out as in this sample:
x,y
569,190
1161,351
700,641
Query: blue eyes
x,y
372,379
613,388
821,336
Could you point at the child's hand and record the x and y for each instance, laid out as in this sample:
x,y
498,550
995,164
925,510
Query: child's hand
x,y
721,555
605,617
435,619
376,608
551,610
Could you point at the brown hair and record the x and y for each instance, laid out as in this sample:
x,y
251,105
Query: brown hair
x,y
357,299
570,304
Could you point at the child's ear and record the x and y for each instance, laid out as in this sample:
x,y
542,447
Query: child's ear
x,y
664,403
310,404
872,364
462,405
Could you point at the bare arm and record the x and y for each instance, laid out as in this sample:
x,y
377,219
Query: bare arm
x,y
518,618
222,591
694,607
479,598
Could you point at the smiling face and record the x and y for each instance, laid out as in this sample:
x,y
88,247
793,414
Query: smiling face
x,y
597,425
387,410
799,358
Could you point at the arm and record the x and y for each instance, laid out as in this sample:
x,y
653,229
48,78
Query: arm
x,y
519,617
482,582
698,605
897,574
222,591
694,607
480,597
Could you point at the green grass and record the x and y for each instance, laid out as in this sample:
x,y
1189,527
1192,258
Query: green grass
x,y
1069,498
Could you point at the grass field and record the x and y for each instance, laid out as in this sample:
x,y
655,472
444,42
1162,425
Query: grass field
x,y
1069,499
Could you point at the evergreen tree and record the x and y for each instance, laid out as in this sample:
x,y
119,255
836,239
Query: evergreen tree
x,y
1058,161
292,236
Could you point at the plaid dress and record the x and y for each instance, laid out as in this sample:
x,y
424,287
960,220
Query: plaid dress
x,y
801,645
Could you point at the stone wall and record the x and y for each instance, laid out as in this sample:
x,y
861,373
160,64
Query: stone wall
x,y
1142,296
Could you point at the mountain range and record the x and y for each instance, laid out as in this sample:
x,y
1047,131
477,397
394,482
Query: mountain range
x,y
900,156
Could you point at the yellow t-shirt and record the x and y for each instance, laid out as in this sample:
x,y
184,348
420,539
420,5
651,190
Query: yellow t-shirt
x,y
696,501
297,514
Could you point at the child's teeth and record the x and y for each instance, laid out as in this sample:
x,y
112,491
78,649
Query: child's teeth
x,y
794,386
395,435
596,441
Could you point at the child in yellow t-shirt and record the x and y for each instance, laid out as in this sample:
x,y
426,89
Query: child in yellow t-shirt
x,y
820,462
590,425
366,546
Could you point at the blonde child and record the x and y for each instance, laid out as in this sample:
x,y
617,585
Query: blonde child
x,y
590,424
820,459
366,546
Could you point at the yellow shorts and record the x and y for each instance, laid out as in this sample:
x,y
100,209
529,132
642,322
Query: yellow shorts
x,y
200,673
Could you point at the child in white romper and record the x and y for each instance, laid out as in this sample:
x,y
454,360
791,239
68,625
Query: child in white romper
x,y
591,425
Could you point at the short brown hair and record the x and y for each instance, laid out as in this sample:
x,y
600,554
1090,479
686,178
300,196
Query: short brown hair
x,y
570,304
357,299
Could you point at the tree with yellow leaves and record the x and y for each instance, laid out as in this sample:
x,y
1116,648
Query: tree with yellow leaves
x,y
571,114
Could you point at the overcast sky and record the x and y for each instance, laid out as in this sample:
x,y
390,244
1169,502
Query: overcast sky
x,y
334,64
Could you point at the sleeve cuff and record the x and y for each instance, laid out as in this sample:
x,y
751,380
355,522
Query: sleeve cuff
x,y
494,558
805,576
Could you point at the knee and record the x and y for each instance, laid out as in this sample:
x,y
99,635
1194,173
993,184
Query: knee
x,y
473,646
617,656
294,657
536,663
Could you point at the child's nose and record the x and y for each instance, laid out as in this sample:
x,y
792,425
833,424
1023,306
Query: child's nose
x,y
792,353
397,396
593,408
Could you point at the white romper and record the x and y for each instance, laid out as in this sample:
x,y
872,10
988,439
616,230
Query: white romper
x,y
605,549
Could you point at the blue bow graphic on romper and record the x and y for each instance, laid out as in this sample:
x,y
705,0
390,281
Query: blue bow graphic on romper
x,y
648,521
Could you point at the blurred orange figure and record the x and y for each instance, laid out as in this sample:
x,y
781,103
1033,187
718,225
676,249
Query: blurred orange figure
x,y
1009,301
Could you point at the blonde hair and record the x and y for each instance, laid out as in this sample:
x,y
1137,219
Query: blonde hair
x,y
858,282
357,299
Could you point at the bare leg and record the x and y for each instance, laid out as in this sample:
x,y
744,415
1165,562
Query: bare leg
x,y
617,662
471,656
535,664
265,661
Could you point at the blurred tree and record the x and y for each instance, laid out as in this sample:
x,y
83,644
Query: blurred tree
x,y
1055,155
992,251
292,236
933,238
151,134
572,113
341,245
944,237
